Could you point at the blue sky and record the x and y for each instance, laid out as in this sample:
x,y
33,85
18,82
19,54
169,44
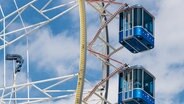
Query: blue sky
x,y
54,48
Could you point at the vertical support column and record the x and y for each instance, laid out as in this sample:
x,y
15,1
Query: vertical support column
x,y
27,50
14,82
4,44
82,61
105,67
4,53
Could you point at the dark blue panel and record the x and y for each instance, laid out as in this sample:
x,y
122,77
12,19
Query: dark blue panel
x,y
130,31
140,94
146,36
121,36
137,46
126,95
130,102
126,33
120,98
140,41
130,94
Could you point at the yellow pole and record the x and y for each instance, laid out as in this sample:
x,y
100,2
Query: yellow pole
x,y
82,61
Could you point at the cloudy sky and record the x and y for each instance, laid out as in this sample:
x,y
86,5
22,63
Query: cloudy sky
x,y
54,48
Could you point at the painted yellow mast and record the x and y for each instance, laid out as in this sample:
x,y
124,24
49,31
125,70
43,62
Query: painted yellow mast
x,y
82,61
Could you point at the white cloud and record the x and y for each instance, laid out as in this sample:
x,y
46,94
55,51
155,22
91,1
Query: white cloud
x,y
21,77
51,52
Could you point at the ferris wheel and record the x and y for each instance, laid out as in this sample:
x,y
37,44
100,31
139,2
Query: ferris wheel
x,y
19,23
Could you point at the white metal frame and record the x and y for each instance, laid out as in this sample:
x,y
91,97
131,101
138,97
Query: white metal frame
x,y
6,91
45,91
32,27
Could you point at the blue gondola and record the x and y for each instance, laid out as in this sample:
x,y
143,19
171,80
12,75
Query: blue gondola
x,y
136,86
136,29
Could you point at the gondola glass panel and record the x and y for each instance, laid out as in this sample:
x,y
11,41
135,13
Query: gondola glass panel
x,y
136,29
136,86
148,84
137,78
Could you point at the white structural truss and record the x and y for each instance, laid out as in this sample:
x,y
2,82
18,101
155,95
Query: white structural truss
x,y
49,89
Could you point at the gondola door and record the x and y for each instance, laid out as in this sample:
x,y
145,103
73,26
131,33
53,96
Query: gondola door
x,y
127,18
128,82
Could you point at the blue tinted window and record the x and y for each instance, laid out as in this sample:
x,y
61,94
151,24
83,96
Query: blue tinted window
x,y
121,21
137,16
137,78
120,82
127,81
148,22
125,20
130,14
148,84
